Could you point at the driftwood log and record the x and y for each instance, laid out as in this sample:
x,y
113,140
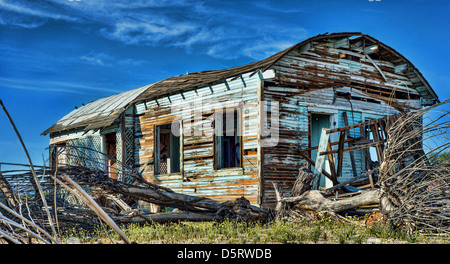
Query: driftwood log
x,y
303,182
314,200
302,194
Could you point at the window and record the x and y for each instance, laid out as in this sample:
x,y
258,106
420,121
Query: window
x,y
167,150
228,140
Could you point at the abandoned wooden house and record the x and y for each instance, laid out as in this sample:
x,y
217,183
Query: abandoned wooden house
x,y
171,130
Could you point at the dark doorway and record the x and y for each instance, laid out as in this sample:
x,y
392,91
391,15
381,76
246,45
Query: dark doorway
x,y
111,160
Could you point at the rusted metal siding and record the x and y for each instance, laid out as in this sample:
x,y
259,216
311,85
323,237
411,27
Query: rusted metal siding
x,y
198,176
97,114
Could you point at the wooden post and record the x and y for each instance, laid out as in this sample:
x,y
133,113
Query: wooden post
x,y
369,165
340,156
331,161
323,143
350,144
308,159
376,138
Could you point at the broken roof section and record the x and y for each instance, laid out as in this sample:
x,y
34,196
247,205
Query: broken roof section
x,y
97,114
103,112
347,40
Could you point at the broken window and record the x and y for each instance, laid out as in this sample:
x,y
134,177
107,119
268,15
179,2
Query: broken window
x,y
167,150
228,141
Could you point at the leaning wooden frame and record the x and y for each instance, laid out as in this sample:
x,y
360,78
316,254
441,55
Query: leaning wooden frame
x,y
379,128
412,189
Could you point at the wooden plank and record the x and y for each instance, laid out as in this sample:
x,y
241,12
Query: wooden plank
x,y
309,160
340,155
369,165
364,146
376,138
331,161
323,143
334,143
352,157
338,129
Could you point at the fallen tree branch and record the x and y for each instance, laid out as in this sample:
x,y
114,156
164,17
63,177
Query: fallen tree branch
x,y
314,200
168,217
99,182
82,194
36,184
28,222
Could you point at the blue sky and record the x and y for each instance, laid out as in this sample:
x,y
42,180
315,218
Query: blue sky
x,y
58,54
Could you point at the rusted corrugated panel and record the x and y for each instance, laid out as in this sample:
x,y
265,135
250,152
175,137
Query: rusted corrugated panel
x,y
97,114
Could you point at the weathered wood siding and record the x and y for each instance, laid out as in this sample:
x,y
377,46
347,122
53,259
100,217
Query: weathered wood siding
x,y
310,82
281,162
198,176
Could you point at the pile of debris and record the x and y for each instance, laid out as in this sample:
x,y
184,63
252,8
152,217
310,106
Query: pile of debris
x,y
80,196
410,190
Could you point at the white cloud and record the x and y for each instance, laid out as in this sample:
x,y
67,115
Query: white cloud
x,y
34,9
52,86
221,30
97,59
263,50
267,5
20,20
147,31
107,60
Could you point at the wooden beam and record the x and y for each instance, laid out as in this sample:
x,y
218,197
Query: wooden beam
x,y
376,67
350,144
340,156
338,129
369,165
335,143
376,138
308,159
331,161
373,144
320,159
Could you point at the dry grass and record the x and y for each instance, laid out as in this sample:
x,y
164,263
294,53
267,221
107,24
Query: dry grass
x,y
324,231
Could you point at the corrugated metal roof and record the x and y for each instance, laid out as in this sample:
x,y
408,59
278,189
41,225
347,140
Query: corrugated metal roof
x,y
99,113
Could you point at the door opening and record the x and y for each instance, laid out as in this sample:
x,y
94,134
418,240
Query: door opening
x,y
111,160
319,121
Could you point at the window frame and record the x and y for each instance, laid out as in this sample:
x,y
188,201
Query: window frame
x,y
157,147
240,130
